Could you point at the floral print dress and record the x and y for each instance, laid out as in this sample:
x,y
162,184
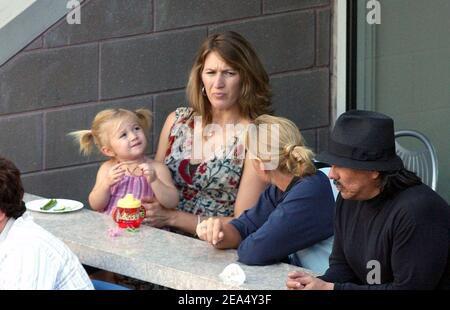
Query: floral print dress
x,y
209,188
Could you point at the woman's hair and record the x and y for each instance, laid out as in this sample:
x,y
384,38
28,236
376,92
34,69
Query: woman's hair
x,y
11,189
237,52
279,140
98,134
393,182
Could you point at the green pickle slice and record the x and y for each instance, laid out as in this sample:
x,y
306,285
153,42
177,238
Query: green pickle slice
x,y
49,205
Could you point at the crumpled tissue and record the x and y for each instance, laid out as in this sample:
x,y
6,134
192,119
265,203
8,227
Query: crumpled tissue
x,y
232,275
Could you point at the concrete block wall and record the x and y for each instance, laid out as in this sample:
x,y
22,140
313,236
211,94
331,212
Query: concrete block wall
x,y
137,53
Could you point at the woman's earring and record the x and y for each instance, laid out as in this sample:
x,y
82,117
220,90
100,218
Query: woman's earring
x,y
203,91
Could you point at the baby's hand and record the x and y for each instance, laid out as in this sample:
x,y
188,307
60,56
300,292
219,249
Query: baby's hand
x,y
115,173
148,172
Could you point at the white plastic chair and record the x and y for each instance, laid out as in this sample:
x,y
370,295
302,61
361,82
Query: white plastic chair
x,y
422,161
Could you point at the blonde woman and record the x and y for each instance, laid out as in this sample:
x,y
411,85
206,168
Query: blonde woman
x,y
121,135
293,216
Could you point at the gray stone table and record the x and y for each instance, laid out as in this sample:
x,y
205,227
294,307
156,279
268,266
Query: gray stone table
x,y
153,255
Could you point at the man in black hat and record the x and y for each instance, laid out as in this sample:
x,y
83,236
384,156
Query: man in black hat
x,y
391,231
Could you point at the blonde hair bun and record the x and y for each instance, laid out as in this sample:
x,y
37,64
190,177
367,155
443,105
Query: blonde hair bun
x,y
291,153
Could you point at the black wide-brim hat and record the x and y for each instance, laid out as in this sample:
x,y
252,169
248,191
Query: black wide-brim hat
x,y
362,140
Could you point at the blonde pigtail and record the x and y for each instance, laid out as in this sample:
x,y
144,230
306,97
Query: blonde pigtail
x,y
85,139
145,118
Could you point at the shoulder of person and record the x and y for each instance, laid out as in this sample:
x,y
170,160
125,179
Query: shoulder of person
x,y
105,166
422,201
28,236
318,176
172,116
156,164
183,112
314,184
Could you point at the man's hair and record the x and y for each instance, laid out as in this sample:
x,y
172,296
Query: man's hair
x,y
395,181
11,189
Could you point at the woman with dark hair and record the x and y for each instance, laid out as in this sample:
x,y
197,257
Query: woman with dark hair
x,y
227,89
30,257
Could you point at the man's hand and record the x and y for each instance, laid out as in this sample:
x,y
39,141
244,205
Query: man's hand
x,y
299,280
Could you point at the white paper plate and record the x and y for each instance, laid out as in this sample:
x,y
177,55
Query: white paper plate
x,y
68,204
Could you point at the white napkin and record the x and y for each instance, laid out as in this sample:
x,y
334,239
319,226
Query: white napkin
x,y
232,275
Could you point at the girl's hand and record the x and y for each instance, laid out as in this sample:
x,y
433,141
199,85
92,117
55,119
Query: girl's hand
x,y
115,174
210,230
148,172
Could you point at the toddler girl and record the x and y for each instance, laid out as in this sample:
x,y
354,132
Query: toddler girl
x,y
121,135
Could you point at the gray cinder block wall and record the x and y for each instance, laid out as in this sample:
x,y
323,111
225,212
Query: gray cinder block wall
x,y
137,53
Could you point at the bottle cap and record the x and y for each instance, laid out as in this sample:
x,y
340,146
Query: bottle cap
x,y
129,202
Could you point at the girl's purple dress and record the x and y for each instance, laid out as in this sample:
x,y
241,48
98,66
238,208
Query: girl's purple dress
x,y
129,184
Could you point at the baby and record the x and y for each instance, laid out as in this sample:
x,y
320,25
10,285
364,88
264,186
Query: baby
x,y
120,135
